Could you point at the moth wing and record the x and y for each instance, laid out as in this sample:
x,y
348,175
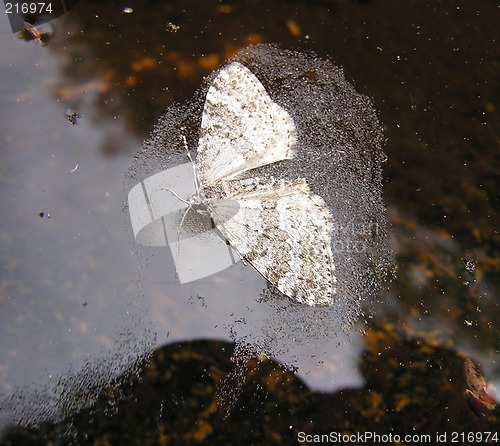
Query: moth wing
x,y
286,235
241,127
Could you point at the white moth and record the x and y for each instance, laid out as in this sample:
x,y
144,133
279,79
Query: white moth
x,y
282,228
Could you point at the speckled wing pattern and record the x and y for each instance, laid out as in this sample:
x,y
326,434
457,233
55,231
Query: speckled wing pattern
x,y
282,228
285,233
241,127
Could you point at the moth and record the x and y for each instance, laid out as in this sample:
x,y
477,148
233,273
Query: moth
x,y
281,227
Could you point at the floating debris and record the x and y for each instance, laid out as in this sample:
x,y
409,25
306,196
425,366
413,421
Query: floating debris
x,y
72,117
31,32
172,27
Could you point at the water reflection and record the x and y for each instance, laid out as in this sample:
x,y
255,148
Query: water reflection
x,y
69,294
63,307
410,383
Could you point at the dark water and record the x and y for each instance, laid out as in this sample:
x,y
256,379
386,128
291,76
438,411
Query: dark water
x,y
80,304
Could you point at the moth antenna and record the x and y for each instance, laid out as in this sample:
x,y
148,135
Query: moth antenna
x,y
156,212
166,189
186,148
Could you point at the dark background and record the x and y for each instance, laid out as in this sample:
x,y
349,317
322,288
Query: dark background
x,y
70,301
